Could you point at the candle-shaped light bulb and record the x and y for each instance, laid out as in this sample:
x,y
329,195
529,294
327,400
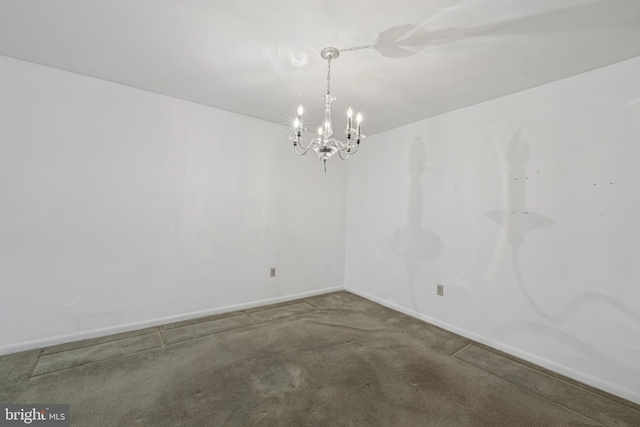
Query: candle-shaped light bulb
x,y
300,110
320,131
296,123
349,123
358,119
349,112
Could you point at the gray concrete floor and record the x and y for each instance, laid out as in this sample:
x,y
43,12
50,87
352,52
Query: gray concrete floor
x,y
330,360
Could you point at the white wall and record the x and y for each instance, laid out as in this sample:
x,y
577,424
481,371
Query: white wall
x,y
526,209
121,208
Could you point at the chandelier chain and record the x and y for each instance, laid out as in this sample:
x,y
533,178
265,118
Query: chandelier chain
x,y
369,46
329,76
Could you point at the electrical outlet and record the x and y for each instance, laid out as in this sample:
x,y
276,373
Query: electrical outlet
x,y
440,290
273,272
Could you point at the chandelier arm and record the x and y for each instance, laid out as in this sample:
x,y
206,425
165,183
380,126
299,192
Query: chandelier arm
x,y
304,151
303,147
311,143
341,145
350,150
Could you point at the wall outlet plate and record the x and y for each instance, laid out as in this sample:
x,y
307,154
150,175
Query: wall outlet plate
x,y
440,290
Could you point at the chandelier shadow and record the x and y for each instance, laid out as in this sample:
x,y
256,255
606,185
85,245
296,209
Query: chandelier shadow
x,y
324,145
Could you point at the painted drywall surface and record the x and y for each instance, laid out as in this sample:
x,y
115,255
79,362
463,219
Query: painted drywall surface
x,y
526,209
122,207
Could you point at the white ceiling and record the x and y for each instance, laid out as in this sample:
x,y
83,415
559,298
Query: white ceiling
x,y
261,58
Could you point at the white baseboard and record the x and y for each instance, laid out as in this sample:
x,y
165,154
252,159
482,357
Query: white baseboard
x,y
583,377
94,333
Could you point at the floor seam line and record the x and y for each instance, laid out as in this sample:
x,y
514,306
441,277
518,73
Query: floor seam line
x,y
211,334
460,349
91,345
307,302
95,361
578,386
163,339
254,323
197,321
533,393
287,317
251,318
35,365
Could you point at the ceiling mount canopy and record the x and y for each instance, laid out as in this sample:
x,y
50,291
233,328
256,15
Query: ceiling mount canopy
x,y
329,53
324,145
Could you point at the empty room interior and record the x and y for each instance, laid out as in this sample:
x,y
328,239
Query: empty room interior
x,y
409,213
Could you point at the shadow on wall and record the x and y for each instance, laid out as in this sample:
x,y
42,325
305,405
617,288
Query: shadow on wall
x,y
517,221
414,244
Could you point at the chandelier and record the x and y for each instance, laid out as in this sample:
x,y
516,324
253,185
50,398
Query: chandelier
x,y
324,145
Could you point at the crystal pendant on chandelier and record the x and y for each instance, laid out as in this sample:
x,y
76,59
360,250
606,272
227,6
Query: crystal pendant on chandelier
x,y
324,145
